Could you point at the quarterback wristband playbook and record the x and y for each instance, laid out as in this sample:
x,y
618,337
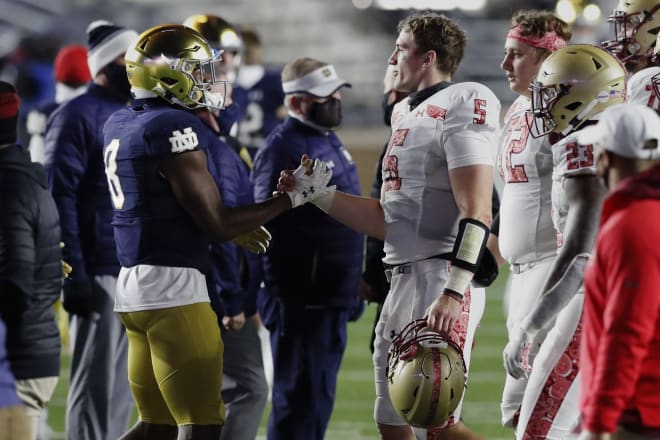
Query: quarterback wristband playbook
x,y
468,249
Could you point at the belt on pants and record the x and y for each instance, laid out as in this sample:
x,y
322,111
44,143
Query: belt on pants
x,y
394,269
518,268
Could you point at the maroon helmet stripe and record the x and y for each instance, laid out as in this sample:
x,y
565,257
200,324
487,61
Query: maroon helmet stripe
x,y
437,385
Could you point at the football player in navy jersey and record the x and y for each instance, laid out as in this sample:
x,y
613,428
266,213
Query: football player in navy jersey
x,y
225,38
236,274
265,106
167,210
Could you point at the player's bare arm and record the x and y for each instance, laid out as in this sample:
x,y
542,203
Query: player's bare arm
x,y
195,189
363,214
472,187
585,196
473,191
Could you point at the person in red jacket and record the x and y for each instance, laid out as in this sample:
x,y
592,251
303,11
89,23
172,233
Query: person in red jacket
x,y
620,351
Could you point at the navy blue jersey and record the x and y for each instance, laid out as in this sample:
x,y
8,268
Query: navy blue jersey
x,y
233,113
151,227
263,100
235,274
312,259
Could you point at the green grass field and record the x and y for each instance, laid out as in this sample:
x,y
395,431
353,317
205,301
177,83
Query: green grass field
x,y
353,414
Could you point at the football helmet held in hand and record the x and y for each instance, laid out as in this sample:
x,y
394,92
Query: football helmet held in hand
x,y
426,376
176,63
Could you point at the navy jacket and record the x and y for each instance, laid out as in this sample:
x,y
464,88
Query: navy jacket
x,y
74,162
313,259
235,274
30,266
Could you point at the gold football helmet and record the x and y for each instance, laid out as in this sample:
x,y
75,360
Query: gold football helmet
x,y
426,376
222,36
635,25
176,63
574,84
218,32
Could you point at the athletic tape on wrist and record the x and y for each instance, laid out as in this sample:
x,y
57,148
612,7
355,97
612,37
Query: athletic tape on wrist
x,y
458,281
470,244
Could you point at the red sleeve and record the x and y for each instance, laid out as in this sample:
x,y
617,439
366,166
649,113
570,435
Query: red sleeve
x,y
629,251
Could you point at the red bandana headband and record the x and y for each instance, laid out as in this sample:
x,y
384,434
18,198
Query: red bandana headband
x,y
549,41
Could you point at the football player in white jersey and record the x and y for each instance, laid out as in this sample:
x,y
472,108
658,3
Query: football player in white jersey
x,y
527,239
572,87
635,25
434,212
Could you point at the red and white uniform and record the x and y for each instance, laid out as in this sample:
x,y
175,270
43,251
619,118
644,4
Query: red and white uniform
x,y
550,406
569,159
527,238
640,88
457,126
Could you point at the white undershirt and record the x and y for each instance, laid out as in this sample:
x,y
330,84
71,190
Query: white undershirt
x,y
147,287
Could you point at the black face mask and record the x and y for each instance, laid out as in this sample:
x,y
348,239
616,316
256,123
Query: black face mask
x,y
326,114
118,80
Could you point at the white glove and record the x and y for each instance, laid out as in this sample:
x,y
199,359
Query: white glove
x,y
311,183
516,354
255,241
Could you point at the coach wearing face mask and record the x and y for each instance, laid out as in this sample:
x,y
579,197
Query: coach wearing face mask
x,y
99,403
314,263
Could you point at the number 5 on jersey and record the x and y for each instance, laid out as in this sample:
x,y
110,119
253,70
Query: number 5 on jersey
x,y
110,159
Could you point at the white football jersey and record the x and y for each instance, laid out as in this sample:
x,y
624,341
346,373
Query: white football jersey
x,y
640,88
570,158
456,127
525,165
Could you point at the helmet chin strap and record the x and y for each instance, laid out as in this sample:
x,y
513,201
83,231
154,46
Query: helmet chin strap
x,y
579,118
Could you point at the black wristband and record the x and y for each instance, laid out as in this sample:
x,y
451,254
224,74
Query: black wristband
x,y
470,244
453,294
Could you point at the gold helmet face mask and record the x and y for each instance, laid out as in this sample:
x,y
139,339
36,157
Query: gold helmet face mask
x,y
177,64
426,376
573,85
634,25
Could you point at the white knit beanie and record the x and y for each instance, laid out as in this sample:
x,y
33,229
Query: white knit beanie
x,y
106,41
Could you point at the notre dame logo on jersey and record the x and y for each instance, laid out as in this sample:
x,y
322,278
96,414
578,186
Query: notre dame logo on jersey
x,y
185,141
